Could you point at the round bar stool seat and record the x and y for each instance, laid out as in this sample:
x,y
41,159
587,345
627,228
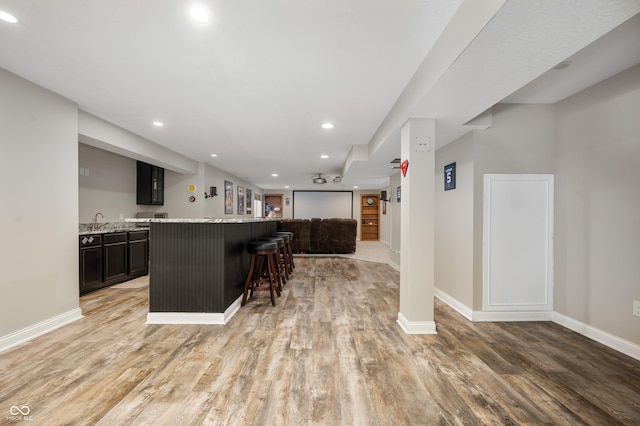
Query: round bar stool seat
x,y
289,250
280,266
262,270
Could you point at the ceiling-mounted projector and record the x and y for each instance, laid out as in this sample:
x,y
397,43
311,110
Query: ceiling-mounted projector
x,y
318,179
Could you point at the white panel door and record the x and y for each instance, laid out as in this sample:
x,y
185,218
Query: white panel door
x,y
518,242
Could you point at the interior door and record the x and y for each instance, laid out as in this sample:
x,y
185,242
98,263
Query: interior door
x,y
518,242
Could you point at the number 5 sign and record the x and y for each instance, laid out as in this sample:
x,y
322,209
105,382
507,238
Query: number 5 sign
x,y
450,176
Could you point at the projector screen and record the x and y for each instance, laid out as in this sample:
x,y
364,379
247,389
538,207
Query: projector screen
x,y
322,204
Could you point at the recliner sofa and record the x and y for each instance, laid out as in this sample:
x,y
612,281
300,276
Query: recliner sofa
x,y
324,236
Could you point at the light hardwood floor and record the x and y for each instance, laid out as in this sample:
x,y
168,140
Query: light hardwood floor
x,y
330,352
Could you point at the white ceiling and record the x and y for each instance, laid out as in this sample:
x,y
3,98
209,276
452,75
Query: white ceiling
x,y
255,83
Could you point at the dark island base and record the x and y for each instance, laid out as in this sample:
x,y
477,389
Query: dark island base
x,y
199,267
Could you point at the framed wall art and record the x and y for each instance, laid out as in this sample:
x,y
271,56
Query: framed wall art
x,y
248,206
240,200
228,197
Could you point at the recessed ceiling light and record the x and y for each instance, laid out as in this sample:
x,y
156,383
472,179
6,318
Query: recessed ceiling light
x,y
327,126
355,187
7,17
199,14
158,123
324,156
274,174
214,155
287,187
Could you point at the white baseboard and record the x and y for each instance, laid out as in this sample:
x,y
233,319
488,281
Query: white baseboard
x,y
489,316
43,327
394,265
416,327
460,307
195,317
621,345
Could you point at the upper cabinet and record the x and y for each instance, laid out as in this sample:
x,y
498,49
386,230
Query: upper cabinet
x,y
150,184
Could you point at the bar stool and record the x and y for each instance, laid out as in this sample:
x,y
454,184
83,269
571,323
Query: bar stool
x,y
283,254
262,270
288,237
280,266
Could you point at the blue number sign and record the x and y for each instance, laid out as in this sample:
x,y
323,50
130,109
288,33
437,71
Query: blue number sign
x,y
450,176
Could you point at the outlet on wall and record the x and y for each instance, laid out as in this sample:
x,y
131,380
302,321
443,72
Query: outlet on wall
x,y
636,308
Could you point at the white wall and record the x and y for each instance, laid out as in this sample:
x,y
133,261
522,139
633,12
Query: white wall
x,y
38,206
597,221
454,222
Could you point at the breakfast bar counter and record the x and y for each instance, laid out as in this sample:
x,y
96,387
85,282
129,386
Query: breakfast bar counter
x,y
197,267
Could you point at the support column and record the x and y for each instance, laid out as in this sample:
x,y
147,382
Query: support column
x,y
417,221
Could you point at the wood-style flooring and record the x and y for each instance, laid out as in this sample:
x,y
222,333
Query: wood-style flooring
x,y
330,352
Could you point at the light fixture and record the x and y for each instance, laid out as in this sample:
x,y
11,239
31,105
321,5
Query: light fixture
x,y
327,126
324,156
287,187
213,192
214,155
199,14
355,186
7,17
158,123
274,175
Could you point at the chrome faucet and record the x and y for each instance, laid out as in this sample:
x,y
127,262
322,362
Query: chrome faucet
x,y
94,224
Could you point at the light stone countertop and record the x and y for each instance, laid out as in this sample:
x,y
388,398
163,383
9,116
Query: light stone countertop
x,y
199,220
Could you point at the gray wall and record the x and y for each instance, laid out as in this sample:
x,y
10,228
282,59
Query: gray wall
x,y
39,205
110,189
110,186
394,210
454,222
597,269
520,140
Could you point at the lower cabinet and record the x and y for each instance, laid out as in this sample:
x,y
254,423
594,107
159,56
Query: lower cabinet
x,y
90,263
115,257
111,258
138,254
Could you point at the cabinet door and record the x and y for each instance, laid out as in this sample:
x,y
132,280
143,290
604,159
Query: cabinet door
x,y
90,269
149,184
138,258
157,185
115,262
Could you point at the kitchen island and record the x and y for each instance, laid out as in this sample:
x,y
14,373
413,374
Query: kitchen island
x,y
197,267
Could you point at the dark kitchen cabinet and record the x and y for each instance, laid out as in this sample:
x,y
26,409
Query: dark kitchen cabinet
x,y
149,184
138,254
111,258
90,263
115,257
